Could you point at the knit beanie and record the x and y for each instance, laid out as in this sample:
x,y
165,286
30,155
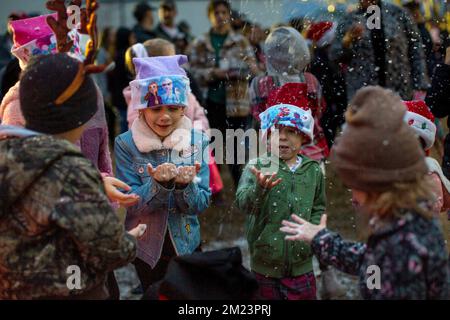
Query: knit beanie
x,y
160,81
377,148
55,95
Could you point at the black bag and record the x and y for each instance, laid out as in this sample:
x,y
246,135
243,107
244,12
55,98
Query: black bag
x,y
213,275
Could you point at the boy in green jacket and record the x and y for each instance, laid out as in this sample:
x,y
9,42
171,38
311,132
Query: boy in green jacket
x,y
283,269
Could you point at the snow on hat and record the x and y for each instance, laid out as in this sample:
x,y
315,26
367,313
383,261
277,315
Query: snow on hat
x,y
160,81
294,94
322,33
421,120
34,36
290,116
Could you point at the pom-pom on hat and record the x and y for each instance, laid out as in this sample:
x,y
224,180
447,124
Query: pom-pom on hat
x,y
34,37
160,81
322,33
421,120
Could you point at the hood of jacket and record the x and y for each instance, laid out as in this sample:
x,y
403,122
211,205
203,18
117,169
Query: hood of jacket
x,y
24,157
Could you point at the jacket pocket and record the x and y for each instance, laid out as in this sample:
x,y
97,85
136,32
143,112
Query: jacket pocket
x,y
269,246
301,251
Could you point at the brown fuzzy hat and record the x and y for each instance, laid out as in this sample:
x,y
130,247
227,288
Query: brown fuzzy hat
x,y
377,149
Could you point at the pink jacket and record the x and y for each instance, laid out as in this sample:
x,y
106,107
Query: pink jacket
x,y
93,142
194,111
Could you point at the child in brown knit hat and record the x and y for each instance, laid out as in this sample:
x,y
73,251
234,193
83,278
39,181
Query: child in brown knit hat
x,y
380,159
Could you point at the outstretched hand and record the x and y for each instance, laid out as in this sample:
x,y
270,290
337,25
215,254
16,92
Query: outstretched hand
x,y
302,230
112,186
265,181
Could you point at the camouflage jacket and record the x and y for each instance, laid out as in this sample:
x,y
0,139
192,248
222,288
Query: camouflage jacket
x,y
54,214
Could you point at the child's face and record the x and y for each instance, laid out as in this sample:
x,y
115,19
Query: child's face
x,y
163,120
290,143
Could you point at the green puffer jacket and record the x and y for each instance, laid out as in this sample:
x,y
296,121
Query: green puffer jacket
x,y
301,192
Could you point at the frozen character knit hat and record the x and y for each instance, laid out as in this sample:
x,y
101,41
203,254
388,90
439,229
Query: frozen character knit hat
x,y
322,33
287,53
377,148
294,94
34,37
421,120
56,95
160,81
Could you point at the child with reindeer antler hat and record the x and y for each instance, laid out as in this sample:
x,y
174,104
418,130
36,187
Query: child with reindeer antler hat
x,y
49,34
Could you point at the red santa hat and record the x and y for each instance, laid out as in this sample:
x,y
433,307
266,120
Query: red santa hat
x,y
292,95
322,33
421,120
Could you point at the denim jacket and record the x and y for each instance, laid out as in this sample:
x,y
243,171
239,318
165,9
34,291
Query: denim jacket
x,y
161,209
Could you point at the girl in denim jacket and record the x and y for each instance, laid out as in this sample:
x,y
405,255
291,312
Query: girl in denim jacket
x,y
163,159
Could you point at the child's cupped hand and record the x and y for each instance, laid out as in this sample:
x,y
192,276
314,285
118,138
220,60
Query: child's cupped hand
x,y
112,186
265,181
302,230
186,174
164,172
169,172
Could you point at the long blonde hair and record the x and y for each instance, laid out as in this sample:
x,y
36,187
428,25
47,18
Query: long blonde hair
x,y
416,195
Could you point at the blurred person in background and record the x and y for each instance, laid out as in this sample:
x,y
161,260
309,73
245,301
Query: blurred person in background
x,y
223,62
143,13
167,28
105,56
120,79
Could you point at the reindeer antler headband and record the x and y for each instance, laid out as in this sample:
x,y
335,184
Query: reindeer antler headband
x,y
88,26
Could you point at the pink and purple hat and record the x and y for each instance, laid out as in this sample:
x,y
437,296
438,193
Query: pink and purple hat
x,y
34,36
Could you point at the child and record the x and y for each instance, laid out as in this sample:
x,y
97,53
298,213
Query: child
x,y
379,158
160,157
194,111
34,37
283,270
421,120
287,56
53,209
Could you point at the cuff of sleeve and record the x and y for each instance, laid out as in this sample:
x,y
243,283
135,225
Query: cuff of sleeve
x,y
159,191
187,191
260,192
317,241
